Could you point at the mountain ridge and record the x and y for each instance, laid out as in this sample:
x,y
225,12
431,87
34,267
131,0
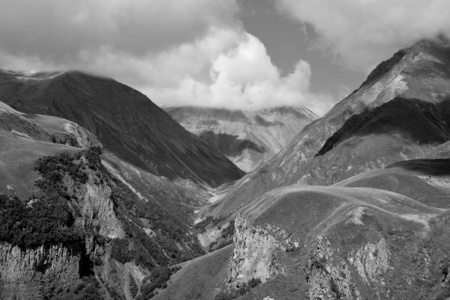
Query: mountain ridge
x,y
296,164
125,120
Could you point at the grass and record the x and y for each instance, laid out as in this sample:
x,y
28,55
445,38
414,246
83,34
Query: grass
x,y
17,159
199,278
406,183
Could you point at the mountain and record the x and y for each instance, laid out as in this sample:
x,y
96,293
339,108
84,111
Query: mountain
x,y
125,121
80,223
247,138
400,112
356,207
382,234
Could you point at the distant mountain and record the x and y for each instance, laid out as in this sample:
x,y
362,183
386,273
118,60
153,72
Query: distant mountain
x,y
400,112
247,138
125,121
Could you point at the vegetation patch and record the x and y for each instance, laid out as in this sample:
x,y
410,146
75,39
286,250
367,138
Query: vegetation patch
x,y
42,222
171,242
242,290
157,280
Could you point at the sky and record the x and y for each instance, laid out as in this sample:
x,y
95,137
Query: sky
x,y
237,54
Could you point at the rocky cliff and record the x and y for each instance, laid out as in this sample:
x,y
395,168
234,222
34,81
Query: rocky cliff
x,y
39,272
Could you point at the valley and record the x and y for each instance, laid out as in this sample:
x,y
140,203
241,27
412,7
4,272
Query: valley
x,y
105,195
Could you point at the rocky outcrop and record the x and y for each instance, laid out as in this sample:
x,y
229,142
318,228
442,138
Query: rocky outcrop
x,y
81,136
332,275
328,271
328,275
98,211
255,251
37,273
371,262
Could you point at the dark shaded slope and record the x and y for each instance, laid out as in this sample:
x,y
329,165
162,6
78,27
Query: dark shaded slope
x,y
430,167
229,145
124,120
384,67
419,121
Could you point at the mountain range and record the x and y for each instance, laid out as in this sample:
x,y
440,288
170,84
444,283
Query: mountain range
x,y
105,195
355,207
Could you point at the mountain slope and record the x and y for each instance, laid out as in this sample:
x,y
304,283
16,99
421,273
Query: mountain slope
x,y
247,138
24,138
366,130
124,120
79,223
382,234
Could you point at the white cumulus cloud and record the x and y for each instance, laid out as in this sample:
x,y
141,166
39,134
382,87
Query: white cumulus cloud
x,y
243,77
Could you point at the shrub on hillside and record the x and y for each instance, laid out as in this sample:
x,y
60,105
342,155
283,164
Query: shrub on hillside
x,y
38,223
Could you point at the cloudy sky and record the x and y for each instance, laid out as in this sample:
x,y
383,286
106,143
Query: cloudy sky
x,y
243,54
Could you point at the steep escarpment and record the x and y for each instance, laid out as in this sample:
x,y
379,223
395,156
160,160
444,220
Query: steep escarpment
x,y
84,231
125,121
39,272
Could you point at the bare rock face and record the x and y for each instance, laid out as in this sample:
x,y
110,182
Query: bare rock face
x,y
255,253
98,211
371,261
329,276
37,273
80,136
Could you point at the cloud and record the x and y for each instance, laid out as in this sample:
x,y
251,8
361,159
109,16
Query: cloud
x,y
361,33
178,52
58,31
243,77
